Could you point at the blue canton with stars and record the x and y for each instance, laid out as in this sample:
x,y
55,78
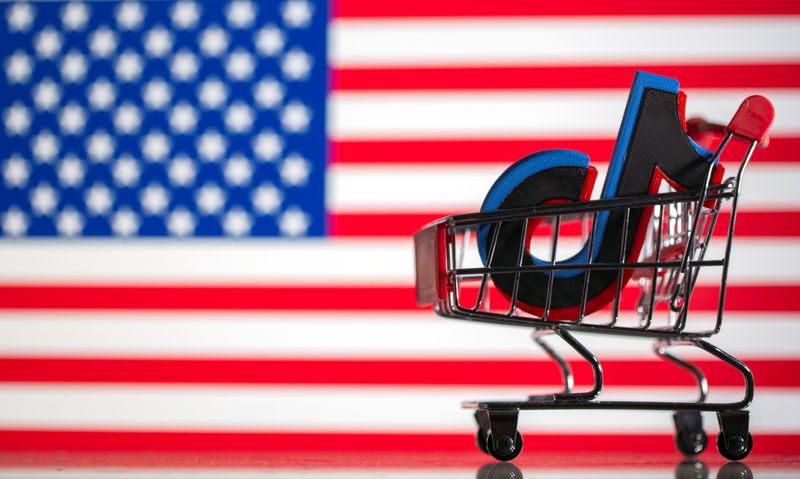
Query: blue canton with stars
x,y
162,118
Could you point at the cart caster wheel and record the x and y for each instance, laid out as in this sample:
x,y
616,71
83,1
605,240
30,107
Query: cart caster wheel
x,y
690,438
691,446
736,449
734,441
508,448
481,437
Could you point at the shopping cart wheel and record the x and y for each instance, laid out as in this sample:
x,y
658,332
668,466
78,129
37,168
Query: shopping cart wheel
x,y
734,440
497,433
692,445
735,448
690,438
505,448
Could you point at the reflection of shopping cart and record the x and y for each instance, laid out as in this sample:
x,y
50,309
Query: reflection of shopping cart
x,y
676,285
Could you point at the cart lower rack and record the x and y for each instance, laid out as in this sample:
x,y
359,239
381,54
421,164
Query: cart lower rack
x,y
540,254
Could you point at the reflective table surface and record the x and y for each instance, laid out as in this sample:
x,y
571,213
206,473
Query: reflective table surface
x,y
393,465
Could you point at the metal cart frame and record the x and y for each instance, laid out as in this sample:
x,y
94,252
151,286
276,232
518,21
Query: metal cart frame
x,y
676,250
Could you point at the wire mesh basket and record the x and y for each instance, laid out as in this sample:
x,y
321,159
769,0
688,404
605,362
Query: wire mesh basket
x,y
642,265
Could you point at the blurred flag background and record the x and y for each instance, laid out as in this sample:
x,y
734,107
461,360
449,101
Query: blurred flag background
x,y
206,212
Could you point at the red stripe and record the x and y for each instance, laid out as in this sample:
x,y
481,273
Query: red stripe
x,y
459,8
430,372
784,224
761,297
303,444
379,224
478,150
532,77
171,297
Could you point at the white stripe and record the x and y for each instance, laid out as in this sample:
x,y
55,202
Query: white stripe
x,y
262,261
256,408
461,188
314,262
533,114
559,41
345,335
759,260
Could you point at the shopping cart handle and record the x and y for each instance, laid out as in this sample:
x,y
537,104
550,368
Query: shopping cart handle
x,y
697,126
430,251
751,123
753,119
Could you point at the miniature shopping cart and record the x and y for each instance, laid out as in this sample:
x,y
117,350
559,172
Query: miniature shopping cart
x,y
672,289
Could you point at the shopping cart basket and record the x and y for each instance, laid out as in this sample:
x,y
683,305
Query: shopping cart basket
x,y
540,254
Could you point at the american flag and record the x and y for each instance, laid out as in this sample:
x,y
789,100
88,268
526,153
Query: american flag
x,y
207,207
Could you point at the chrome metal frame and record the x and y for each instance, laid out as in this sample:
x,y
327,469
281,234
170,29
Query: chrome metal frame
x,y
676,250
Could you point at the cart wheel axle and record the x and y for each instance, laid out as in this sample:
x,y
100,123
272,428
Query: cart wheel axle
x,y
504,448
735,448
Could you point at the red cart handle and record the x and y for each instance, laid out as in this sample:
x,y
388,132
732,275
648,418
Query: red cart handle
x,y
430,251
753,119
751,123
